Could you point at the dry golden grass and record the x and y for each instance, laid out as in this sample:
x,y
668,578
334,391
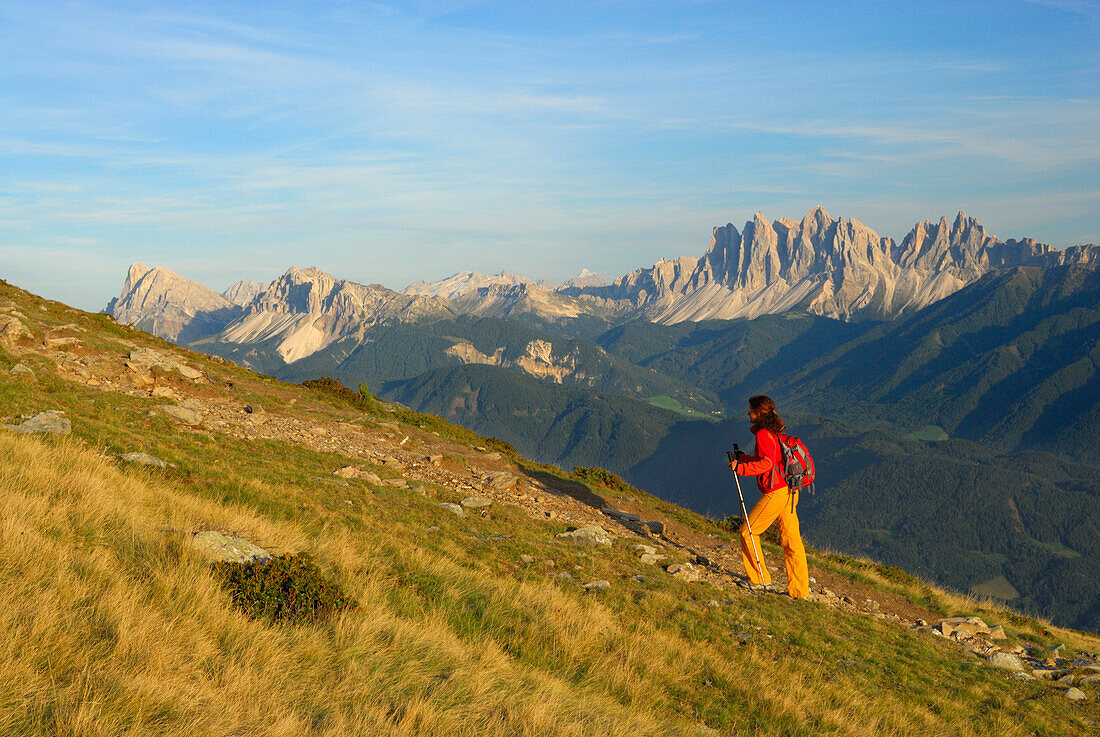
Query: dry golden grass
x,y
116,627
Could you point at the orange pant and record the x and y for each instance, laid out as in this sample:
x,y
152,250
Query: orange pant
x,y
776,504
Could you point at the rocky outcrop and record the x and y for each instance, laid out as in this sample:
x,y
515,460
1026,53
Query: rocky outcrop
x,y
538,359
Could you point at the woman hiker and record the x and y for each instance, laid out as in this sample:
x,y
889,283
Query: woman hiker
x,y
765,464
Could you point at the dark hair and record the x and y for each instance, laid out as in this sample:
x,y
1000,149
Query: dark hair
x,y
767,418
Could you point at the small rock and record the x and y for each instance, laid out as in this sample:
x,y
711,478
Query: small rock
x,y
347,472
638,577
187,372
476,502
683,571
657,528
500,480
1076,694
1006,661
1056,650
371,478
435,459
701,560
1092,680
181,414
453,508
1023,677
21,370
563,574
997,632
144,459
871,604
162,392
434,528
713,603
589,535
220,546
395,483
527,558
651,558
600,585
48,422
253,409
645,549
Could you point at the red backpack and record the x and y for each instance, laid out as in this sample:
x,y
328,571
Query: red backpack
x,y
798,466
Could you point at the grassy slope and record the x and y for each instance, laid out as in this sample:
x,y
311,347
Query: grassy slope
x,y
115,625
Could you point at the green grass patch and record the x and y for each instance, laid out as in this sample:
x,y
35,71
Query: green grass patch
x,y
929,432
997,587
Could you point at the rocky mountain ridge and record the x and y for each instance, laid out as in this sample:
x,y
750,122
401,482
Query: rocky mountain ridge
x,y
834,268
840,269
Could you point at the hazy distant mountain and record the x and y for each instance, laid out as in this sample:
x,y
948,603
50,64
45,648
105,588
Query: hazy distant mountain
x,y
465,282
583,279
834,268
168,305
244,291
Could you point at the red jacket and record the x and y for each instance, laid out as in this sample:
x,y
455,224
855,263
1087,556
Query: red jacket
x,y
765,462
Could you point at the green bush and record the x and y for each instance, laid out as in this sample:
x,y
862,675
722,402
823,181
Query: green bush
x,y
501,446
288,588
602,477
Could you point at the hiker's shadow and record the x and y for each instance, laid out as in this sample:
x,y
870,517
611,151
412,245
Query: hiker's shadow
x,y
565,487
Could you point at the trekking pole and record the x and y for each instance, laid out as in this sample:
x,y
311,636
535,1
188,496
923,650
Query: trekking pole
x,y
733,458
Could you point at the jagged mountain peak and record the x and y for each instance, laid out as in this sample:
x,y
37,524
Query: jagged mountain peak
x,y
162,302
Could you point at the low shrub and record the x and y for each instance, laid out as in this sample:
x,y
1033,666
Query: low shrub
x,y
288,588
602,477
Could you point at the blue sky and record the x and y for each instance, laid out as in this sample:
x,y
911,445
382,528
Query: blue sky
x,y
386,142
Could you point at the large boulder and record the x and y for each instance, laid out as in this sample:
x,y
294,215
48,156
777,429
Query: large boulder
x,y
963,627
48,422
1006,661
143,459
220,546
181,414
590,535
